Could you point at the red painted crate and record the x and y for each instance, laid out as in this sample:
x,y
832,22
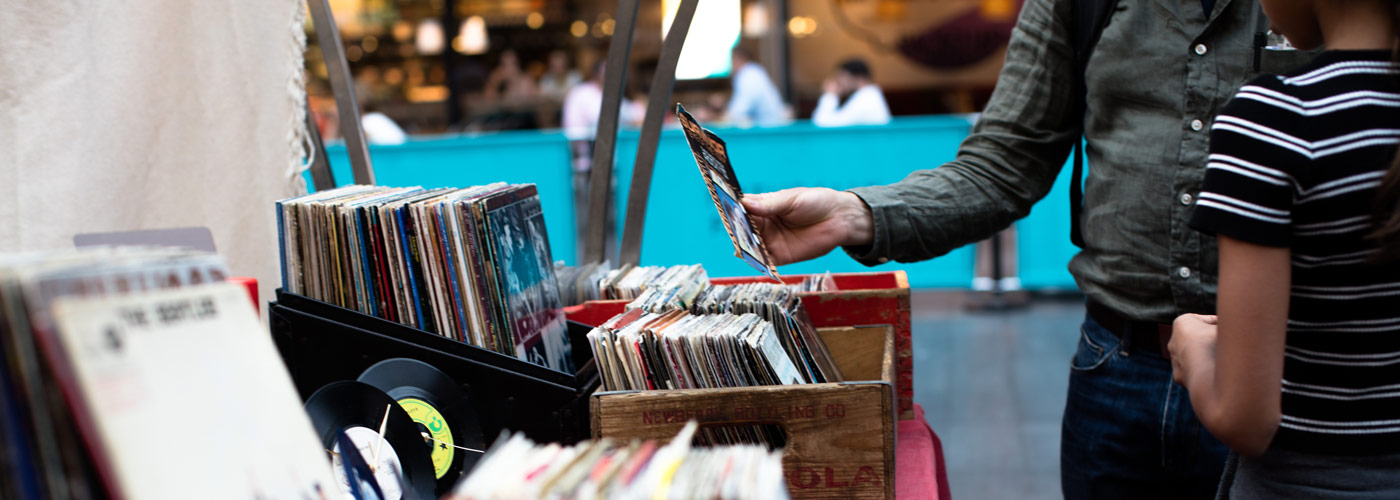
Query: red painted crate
x,y
860,299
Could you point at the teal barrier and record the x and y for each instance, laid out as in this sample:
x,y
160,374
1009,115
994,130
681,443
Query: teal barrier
x,y
682,225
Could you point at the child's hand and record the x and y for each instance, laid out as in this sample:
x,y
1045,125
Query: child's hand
x,y
1192,346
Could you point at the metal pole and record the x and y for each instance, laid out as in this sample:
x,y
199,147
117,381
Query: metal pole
x,y
450,60
328,36
605,143
321,176
778,31
658,101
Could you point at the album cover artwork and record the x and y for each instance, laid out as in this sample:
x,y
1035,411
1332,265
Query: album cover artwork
x,y
530,290
712,157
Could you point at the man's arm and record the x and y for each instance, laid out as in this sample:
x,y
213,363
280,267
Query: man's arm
x,y
1008,162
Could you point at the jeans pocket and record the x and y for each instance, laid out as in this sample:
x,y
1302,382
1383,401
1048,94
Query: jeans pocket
x,y
1091,354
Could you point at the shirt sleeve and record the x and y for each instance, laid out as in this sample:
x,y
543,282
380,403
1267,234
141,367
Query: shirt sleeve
x,y
828,112
865,107
1248,189
1009,161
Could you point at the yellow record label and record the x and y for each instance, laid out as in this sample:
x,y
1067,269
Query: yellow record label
x,y
425,414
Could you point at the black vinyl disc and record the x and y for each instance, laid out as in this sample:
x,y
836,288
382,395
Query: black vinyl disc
x,y
439,407
358,409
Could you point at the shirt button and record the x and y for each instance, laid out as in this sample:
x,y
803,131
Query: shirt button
x,y
1197,125
1200,49
883,259
1184,272
1185,200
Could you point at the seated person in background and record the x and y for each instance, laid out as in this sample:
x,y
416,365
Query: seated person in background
x,y
1302,187
756,100
559,77
508,83
863,104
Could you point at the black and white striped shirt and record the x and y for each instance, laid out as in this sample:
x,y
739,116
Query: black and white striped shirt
x,y
1295,161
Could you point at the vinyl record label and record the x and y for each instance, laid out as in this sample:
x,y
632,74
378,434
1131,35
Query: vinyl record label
x,y
439,408
429,417
385,468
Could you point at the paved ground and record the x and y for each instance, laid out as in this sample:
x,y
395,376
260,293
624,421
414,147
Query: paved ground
x,y
993,386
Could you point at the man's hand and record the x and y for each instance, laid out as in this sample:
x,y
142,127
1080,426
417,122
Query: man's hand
x,y
1192,347
805,223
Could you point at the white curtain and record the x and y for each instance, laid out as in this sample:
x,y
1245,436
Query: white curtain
x,y
149,114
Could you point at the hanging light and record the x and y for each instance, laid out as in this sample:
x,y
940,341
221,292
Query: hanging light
x,y
430,38
402,31
755,20
472,37
714,32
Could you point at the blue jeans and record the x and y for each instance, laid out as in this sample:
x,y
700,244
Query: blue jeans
x,y
1128,430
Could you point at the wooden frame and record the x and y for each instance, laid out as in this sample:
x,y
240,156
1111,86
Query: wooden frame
x,y
880,298
840,436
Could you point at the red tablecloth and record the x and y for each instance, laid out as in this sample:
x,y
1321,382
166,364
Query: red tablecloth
x,y
919,469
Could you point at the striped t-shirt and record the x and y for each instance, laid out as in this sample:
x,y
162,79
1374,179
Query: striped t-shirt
x,y
1294,162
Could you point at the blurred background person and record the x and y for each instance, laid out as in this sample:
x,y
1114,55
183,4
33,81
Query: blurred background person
x,y
582,106
379,128
559,76
850,97
510,97
370,90
508,82
756,101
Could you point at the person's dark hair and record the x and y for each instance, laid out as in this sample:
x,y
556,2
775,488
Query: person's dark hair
x,y
1387,211
740,51
856,67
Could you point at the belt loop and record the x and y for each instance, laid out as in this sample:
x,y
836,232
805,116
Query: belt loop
x,y
1125,346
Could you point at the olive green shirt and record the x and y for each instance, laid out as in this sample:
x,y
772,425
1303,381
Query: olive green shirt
x,y
1158,75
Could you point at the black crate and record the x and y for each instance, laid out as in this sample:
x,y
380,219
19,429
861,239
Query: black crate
x,y
323,343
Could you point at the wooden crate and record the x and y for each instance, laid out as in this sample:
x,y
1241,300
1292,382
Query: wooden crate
x,y
840,436
861,299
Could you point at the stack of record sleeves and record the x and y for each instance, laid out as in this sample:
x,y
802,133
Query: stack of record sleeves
x,y
142,373
470,264
815,283
780,306
517,468
599,282
678,350
682,333
579,284
687,334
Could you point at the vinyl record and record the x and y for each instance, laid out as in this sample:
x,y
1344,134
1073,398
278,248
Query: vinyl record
x,y
439,407
357,409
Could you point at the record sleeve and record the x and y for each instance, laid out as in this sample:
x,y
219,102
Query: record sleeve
x,y
160,383
530,291
712,156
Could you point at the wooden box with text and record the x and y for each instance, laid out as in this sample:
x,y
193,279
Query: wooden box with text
x,y
880,298
840,436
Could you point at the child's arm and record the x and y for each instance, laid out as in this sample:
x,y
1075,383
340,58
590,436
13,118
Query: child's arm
x,y
1238,399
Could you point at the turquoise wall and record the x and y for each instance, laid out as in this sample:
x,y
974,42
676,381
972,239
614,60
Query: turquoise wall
x,y
682,225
